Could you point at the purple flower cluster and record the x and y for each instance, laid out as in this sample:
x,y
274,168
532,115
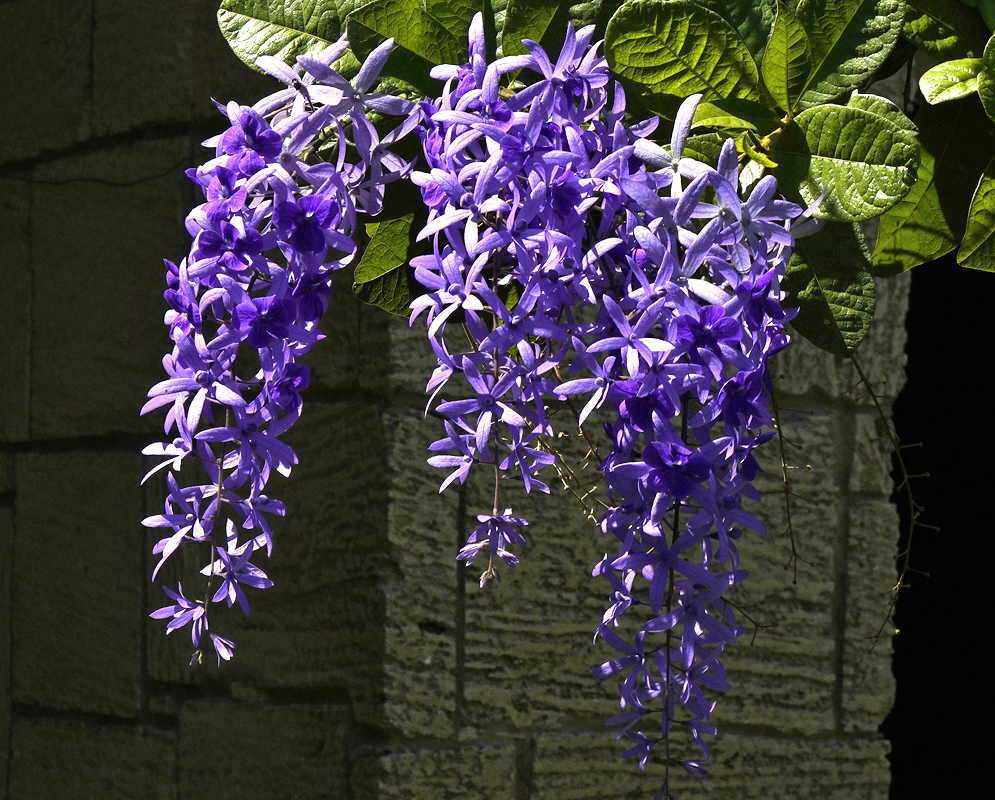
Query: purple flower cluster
x,y
563,244
288,181
523,192
563,239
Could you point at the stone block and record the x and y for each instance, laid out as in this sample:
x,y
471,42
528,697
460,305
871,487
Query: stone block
x,y
6,559
868,685
157,62
411,360
321,626
587,765
422,622
231,751
870,471
54,759
97,332
355,355
51,76
476,771
76,594
529,651
15,308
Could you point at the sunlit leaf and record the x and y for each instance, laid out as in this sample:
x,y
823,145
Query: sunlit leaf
x,y
865,162
383,277
977,250
282,28
421,39
950,80
946,29
787,59
956,144
850,39
677,47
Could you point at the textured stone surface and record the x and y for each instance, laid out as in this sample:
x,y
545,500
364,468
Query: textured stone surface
x,y
15,307
355,353
231,751
579,765
52,40
177,59
54,759
97,333
6,553
474,771
868,685
321,625
76,602
421,599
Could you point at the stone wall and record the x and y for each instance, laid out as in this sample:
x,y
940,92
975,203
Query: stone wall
x,y
376,668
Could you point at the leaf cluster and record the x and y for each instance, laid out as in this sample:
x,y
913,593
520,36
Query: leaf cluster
x,y
787,80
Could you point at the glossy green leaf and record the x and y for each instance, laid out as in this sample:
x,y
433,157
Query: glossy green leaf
x,y
422,38
735,116
705,147
454,15
977,250
885,108
829,279
850,39
787,59
986,79
956,144
986,91
282,28
676,47
866,162
383,277
526,19
753,20
945,28
950,80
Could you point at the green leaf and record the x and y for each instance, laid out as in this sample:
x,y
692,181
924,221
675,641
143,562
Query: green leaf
x,y
850,39
282,28
753,20
735,116
526,19
518,19
950,80
866,162
787,59
956,144
678,48
986,79
885,108
977,250
422,39
945,29
829,279
383,277
986,91
705,147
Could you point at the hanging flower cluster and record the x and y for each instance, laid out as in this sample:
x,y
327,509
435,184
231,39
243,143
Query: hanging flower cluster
x,y
543,203
284,191
563,243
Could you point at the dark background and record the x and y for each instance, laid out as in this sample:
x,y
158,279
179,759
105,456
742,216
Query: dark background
x,y
938,706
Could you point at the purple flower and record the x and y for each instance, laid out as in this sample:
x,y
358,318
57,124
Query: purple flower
x,y
183,612
250,142
236,570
